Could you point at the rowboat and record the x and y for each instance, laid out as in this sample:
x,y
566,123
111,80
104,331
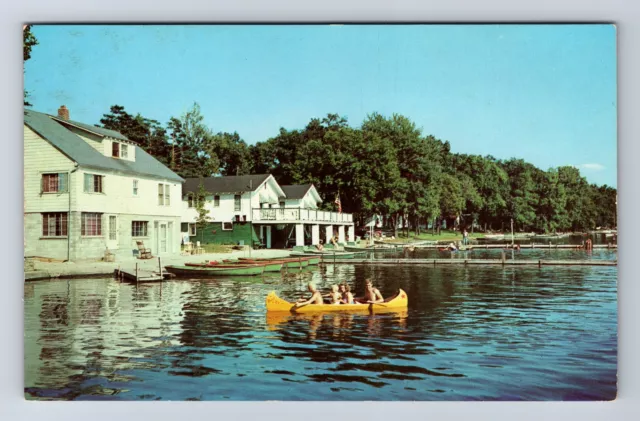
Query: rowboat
x,y
215,270
292,262
268,266
391,249
277,304
328,255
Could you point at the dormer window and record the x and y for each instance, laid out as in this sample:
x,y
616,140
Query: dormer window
x,y
119,150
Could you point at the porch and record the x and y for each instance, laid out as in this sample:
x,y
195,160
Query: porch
x,y
299,215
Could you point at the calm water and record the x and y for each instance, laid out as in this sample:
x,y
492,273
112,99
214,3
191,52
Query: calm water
x,y
481,333
523,254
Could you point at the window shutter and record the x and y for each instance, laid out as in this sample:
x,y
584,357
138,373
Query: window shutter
x,y
88,181
63,182
42,183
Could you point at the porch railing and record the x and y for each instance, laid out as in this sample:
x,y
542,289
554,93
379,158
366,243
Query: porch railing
x,y
299,214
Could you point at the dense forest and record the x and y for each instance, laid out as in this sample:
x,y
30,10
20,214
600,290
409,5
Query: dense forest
x,y
386,166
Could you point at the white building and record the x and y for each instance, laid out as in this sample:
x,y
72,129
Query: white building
x,y
89,189
256,210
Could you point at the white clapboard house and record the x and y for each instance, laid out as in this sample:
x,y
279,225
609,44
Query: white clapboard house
x,y
255,210
88,190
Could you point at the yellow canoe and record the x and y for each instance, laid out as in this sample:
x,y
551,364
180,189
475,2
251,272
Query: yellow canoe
x,y
277,304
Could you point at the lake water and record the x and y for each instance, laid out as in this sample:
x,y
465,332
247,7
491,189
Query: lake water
x,y
480,333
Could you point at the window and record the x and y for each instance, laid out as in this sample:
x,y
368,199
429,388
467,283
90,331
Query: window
x,y
115,150
191,200
124,151
112,227
91,224
93,183
164,198
54,224
139,228
54,183
237,204
227,226
216,201
282,204
192,229
135,187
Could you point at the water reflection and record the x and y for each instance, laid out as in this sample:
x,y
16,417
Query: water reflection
x,y
469,333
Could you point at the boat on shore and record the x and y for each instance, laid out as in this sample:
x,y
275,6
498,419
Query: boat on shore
x,y
276,304
330,255
215,270
287,262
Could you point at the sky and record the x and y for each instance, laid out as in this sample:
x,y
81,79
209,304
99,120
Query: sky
x,y
543,93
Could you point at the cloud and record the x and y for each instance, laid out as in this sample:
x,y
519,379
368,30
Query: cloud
x,y
591,167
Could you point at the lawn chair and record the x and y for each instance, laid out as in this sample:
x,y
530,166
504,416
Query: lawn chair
x,y
199,249
143,253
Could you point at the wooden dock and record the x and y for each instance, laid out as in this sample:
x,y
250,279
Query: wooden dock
x,y
472,262
139,275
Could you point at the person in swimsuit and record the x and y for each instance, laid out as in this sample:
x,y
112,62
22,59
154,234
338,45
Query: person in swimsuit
x,y
316,297
372,294
347,296
334,296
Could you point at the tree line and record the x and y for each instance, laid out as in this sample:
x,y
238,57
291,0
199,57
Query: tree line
x,y
387,167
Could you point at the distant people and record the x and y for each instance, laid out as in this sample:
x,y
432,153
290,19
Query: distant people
x,y
316,297
452,247
319,246
588,245
465,237
347,296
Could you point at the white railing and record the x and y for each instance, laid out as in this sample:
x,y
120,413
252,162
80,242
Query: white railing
x,y
299,214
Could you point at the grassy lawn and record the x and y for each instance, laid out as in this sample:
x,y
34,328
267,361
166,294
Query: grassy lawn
x,y
428,236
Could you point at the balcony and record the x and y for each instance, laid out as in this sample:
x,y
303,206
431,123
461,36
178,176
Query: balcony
x,y
298,215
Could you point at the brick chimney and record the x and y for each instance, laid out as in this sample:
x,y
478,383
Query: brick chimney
x,y
63,113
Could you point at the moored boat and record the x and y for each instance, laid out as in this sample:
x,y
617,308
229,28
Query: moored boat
x,y
216,270
277,304
268,266
291,262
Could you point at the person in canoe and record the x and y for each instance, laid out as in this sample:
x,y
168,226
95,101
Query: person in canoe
x,y
334,296
316,297
372,294
347,296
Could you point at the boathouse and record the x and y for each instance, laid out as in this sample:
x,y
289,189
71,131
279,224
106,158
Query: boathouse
x,y
255,210
91,192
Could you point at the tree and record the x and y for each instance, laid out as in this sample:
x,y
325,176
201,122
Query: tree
x,y
202,219
195,145
234,154
28,42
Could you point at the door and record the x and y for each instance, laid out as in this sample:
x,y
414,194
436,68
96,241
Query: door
x,y
112,239
163,237
268,243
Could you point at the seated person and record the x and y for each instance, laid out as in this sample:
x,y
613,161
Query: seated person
x,y
319,246
372,294
347,296
316,297
334,296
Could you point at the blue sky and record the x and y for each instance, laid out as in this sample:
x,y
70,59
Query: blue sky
x,y
543,93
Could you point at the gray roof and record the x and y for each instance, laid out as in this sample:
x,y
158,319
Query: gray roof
x,y
99,130
296,191
228,184
78,150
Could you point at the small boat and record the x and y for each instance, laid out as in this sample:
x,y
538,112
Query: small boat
x,y
292,262
268,266
328,255
277,304
215,270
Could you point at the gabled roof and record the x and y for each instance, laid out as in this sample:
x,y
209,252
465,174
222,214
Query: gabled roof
x,y
97,130
227,184
296,191
299,191
81,152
